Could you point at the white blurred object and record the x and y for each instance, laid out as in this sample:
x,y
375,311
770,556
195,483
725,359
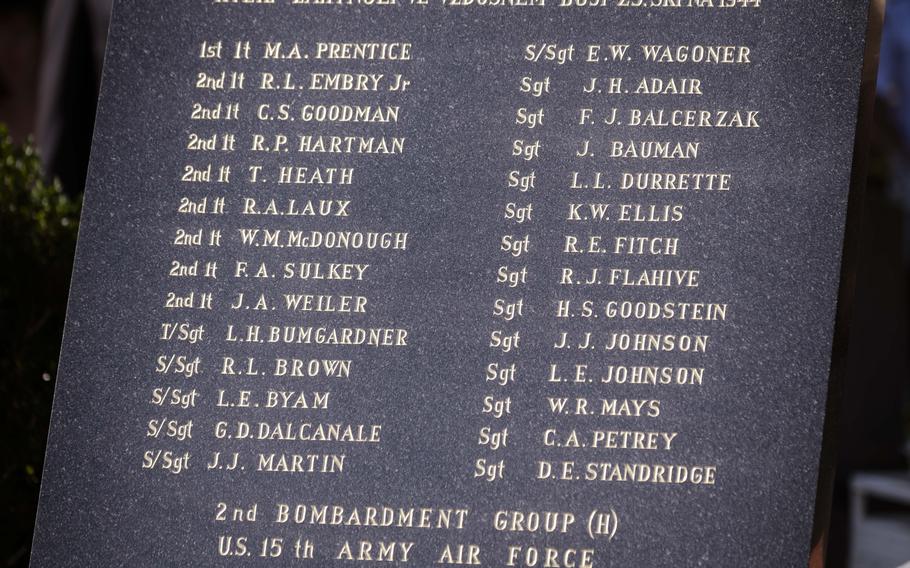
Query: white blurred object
x,y
880,540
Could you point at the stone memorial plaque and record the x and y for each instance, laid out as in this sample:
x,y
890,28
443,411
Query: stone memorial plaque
x,y
530,283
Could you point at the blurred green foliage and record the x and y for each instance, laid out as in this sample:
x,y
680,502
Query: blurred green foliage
x,y
38,225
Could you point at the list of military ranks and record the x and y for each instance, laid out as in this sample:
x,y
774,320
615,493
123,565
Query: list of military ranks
x,y
453,282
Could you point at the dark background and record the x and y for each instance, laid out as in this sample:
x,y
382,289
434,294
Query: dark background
x,y
50,55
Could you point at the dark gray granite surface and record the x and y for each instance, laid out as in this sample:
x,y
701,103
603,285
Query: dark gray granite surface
x,y
121,488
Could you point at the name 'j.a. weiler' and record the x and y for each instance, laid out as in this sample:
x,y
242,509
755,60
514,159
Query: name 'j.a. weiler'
x,y
301,302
